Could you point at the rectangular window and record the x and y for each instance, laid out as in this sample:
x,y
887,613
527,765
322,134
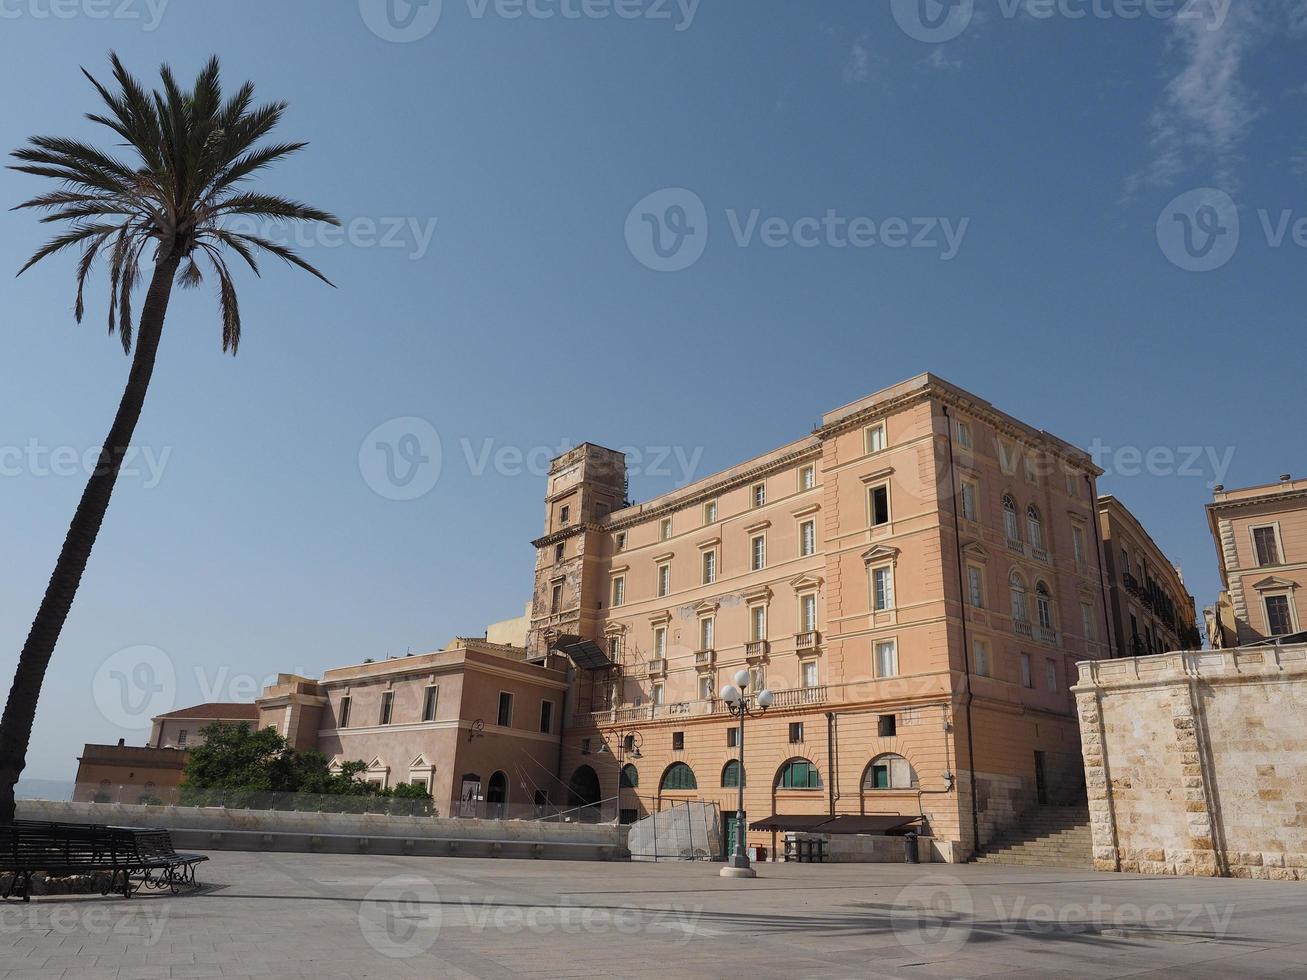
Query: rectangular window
x,y
345,704
664,580
807,477
660,643
1006,458
620,541
964,434
1028,462
182,735
710,512
665,529
1072,485
547,717
980,654
619,590
585,746
882,588
707,627
1268,548
1050,673
560,551
556,599
796,732
615,647
505,717
565,514
429,699
387,707
810,673
758,494
733,737
976,586
758,623
1078,544
658,695
1026,679
1087,620
678,741
878,505
875,438
758,552
807,539
807,613
887,726
969,501
887,658
710,567
1279,620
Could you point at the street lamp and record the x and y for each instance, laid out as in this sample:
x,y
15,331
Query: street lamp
x,y
738,703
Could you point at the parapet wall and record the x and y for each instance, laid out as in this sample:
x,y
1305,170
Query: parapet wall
x,y
1196,763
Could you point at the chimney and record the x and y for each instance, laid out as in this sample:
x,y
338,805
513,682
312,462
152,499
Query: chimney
x,y
1286,478
122,742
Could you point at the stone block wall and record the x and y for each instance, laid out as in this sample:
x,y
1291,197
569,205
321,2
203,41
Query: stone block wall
x,y
1196,763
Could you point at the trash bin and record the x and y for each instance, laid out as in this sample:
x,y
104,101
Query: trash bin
x,y
910,855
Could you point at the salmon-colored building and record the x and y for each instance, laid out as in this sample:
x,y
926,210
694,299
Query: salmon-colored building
x,y
1261,540
915,580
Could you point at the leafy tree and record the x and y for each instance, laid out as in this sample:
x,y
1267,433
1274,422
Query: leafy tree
x,y
172,205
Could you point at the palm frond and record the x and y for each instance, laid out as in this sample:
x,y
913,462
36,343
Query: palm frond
x,y
285,254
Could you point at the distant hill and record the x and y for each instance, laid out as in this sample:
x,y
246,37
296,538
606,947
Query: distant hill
x,y
44,789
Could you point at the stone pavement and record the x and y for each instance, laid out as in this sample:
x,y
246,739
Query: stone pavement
x,y
347,916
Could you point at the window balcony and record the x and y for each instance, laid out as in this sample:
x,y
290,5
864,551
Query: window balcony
x,y
1016,546
1040,555
755,650
705,658
657,667
799,697
807,641
1048,636
1022,628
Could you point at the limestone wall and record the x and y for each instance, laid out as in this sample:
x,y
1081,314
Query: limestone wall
x,y
1196,763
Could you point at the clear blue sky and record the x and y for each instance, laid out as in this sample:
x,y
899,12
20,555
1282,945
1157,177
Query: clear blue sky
x,y
529,322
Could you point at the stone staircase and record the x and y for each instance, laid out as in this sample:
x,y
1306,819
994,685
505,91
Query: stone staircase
x,y
1048,837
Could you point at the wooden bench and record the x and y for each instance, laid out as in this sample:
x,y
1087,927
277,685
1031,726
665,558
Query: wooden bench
x,y
133,857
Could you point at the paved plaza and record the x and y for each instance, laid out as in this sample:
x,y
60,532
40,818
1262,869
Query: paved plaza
x,y
350,917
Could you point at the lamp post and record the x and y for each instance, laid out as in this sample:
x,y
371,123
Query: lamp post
x,y
738,703
635,739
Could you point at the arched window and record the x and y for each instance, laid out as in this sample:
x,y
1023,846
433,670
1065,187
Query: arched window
x,y
1010,522
1044,605
731,774
678,776
1035,527
798,774
630,778
1018,588
890,771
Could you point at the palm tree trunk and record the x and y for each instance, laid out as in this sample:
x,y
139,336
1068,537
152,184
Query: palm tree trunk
x,y
20,710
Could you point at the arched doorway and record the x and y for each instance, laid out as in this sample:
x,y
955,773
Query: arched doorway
x,y
497,796
583,793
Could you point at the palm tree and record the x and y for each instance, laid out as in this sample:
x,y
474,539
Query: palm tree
x,y
192,156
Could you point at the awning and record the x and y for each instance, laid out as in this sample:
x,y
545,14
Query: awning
x,y
824,823
777,822
586,654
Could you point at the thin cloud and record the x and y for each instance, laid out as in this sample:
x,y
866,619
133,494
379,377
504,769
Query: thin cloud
x,y
857,66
